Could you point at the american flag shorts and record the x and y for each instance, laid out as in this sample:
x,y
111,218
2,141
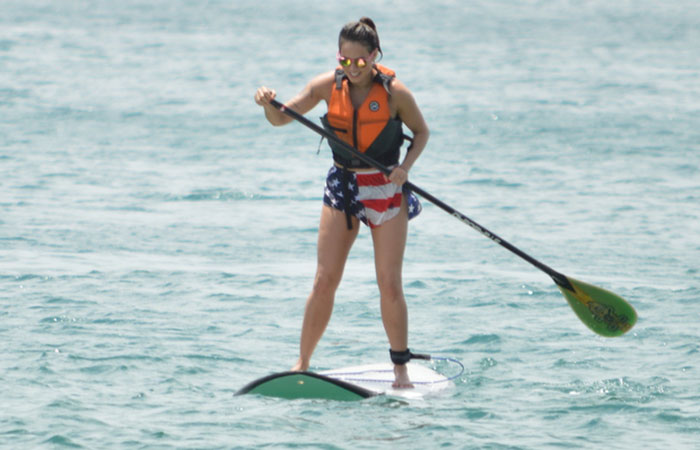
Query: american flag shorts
x,y
373,199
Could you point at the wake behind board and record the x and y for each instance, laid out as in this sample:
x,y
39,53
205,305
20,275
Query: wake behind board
x,y
349,383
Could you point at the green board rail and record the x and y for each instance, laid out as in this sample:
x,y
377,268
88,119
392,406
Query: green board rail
x,y
294,385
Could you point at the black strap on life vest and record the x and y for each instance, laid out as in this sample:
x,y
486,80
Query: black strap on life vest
x,y
346,196
339,76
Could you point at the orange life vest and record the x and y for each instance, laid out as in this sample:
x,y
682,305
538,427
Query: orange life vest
x,y
369,128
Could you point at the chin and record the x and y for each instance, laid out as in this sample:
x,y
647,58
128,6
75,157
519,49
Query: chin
x,y
357,76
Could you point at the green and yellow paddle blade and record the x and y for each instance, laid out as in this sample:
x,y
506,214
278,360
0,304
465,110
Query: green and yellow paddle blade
x,y
604,312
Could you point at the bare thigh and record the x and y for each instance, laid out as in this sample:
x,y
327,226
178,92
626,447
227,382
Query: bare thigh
x,y
389,243
334,244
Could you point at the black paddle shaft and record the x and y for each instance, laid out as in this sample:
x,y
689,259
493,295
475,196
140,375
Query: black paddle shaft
x,y
559,279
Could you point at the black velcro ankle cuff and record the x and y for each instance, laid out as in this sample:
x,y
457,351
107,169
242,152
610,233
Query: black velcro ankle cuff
x,y
400,358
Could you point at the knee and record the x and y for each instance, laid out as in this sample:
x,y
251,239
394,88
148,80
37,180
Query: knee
x,y
326,283
390,286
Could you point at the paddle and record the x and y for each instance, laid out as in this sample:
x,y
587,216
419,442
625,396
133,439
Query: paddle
x,y
602,311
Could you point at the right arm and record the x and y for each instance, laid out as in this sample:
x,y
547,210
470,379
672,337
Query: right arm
x,y
318,89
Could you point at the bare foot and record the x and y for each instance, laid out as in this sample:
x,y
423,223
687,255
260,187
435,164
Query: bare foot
x,y
402,381
300,366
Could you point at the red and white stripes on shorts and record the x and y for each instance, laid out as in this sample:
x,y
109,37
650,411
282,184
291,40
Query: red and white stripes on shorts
x,y
373,199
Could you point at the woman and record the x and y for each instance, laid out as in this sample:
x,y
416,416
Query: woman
x,y
366,106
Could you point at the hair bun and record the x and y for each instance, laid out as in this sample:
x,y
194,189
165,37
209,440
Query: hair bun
x,y
363,31
369,22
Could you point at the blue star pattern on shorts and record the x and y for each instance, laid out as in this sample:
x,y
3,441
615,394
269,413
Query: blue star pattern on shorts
x,y
414,206
333,196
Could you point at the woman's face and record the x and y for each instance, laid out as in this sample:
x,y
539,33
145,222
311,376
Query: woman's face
x,y
353,51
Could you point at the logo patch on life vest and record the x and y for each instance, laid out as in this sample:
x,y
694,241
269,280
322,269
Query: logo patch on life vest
x,y
374,106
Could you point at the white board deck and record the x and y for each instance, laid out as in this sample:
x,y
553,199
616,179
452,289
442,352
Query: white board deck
x,y
379,378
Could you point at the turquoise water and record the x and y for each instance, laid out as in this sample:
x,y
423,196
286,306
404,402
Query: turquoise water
x,y
157,237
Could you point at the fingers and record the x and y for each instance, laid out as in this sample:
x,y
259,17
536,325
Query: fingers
x,y
398,176
263,96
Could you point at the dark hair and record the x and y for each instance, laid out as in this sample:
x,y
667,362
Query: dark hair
x,y
363,31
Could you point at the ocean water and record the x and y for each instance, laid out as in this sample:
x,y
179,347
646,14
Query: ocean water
x,y
157,236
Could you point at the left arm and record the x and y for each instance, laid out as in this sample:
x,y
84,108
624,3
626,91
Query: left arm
x,y
410,114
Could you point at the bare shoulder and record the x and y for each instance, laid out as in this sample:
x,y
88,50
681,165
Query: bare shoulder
x,y
321,85
404,105
317,89
402,100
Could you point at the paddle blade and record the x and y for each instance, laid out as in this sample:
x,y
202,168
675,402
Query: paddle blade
x,y
604,312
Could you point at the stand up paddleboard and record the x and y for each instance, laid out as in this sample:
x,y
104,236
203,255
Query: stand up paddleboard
x,y
351,383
